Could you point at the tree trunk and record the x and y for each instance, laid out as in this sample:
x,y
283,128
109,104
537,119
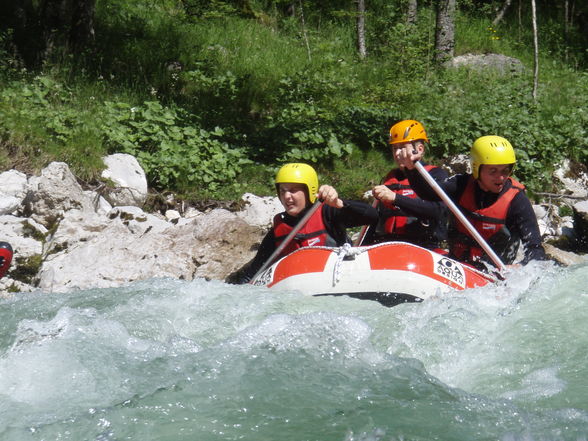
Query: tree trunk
x,y
54,21
445,30
304,30
361,29
411,14
82,25
536,49
566,17
22,17
501,13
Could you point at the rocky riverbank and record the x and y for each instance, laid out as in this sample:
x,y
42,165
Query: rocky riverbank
x,y
65,237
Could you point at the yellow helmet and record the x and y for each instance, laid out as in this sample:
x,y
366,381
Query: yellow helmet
x,y
492,150
298,173
407,131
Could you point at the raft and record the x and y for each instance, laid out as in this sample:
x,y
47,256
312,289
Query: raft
x,y
390,273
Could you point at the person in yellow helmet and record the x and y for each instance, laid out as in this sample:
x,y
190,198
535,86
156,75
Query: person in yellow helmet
x,y
492,200
298,188
402,214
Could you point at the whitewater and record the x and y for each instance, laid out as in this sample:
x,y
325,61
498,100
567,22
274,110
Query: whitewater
x,y
202,360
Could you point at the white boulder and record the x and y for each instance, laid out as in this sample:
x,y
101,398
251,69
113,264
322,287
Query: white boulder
x,y
260,211
574,182
129,178
55,192
13,190
130,245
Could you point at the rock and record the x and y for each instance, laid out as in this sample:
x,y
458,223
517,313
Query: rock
x,y
458,164
13,190
574,179
24,235
137,221
14,183
101,205
224,243
53,193
129,179
9,287
581,224
8,204
172,215
192,212
497,62
546,220
100,253
566,228
27,240
563,257
260,211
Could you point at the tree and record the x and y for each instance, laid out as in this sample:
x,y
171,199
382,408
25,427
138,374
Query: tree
x,y
39,28
536,50
81,33
444,30
411,14
501,13
361,28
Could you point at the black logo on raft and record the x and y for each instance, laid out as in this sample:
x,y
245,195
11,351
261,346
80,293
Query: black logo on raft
x,y
264,278
451,270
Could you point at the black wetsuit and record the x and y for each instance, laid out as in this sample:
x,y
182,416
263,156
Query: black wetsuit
x,y
427,224
520,222
336,220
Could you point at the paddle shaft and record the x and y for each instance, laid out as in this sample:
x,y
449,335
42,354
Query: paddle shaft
x,y
364,229
458,214
288,238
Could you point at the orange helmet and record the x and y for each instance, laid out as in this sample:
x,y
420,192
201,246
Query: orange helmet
x,y
407,131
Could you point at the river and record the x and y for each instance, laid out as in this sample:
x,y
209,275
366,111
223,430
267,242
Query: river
x,y
202,360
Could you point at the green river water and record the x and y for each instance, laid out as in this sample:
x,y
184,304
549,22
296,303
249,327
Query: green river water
x,y
175,360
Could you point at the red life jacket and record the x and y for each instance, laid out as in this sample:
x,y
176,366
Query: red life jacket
x,y
487,221
396,221
314,233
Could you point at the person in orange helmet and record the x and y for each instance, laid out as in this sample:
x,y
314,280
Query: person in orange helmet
x,y
403,216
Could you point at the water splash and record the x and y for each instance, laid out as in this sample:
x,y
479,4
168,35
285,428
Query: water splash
x,y
175,360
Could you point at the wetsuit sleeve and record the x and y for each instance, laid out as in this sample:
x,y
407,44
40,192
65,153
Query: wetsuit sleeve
x,y
452,186
521,219
353,214
267,247
422,208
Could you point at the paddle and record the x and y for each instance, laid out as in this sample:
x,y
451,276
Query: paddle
x,y
425,174
288,238
364,229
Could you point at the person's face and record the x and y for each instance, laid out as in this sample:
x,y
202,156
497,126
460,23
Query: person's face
x,y
493,177
293,198
396,148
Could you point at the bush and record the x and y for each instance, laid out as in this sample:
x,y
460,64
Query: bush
x,y
174,153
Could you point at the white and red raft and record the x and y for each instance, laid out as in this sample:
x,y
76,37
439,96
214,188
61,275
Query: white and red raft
x,y
390,273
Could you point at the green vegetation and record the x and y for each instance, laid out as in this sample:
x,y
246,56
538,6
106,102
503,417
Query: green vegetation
x,y
26,269
212,97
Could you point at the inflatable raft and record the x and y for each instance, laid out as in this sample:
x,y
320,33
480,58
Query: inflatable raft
x,y
390,273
